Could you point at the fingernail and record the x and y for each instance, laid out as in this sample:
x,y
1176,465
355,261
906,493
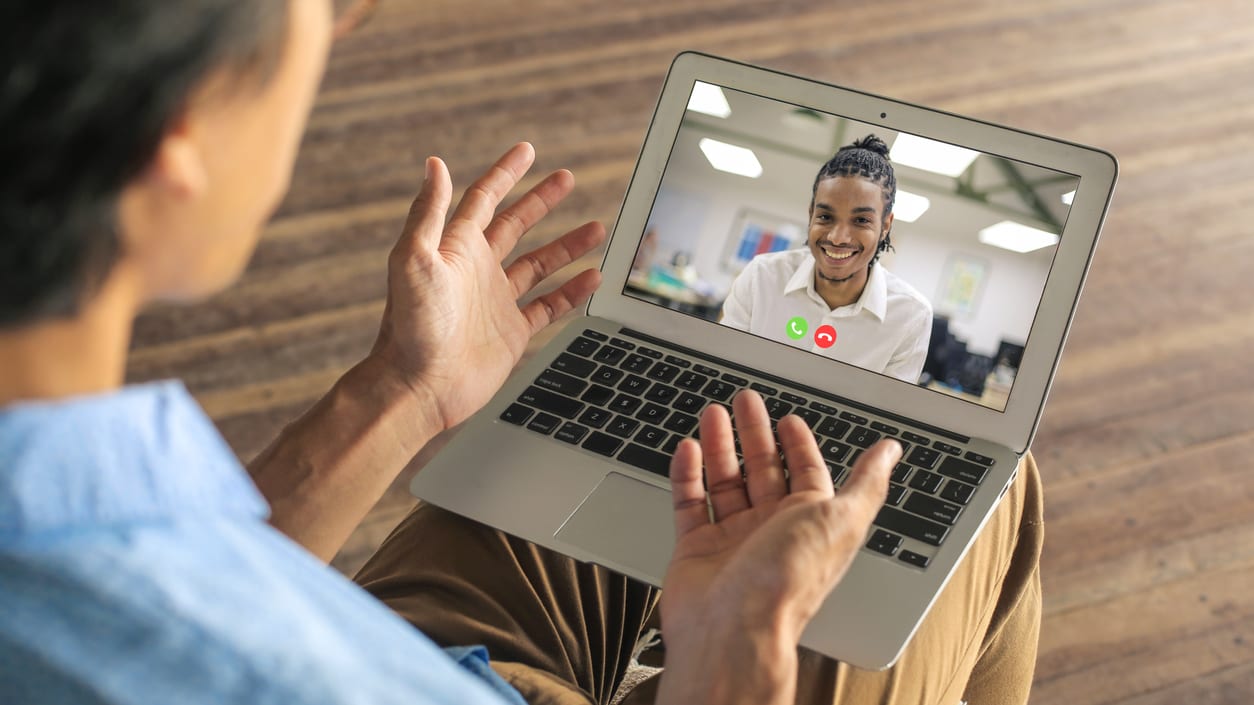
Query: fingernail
x,y
429,169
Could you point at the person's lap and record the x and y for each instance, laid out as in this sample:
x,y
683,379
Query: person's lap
x,y
563,632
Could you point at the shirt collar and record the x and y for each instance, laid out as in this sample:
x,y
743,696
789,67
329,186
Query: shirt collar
x,y
142,453
874,298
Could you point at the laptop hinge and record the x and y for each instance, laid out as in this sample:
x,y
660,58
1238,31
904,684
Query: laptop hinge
x,y
790,383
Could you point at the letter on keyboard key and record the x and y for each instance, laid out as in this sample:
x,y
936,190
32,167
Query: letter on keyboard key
x,y
646,459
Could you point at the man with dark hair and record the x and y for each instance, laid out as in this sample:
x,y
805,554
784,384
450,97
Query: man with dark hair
x,y
837,287
136,562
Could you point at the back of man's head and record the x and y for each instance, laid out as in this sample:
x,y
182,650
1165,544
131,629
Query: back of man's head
x,y
87,89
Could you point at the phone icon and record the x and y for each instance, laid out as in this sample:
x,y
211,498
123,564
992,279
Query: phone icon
x,y
796,328
825,336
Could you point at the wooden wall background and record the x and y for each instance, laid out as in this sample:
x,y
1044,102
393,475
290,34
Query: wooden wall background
x,y
1148,439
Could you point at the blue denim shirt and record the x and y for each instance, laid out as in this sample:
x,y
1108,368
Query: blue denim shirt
x,y
136,566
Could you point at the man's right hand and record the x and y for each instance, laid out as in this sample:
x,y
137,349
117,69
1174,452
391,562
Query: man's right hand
x,y
741,587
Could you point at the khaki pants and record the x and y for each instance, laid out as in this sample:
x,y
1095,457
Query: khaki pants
x,y
563,633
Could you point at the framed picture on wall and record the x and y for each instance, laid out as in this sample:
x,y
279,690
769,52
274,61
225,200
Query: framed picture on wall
x,y
754,233
961,284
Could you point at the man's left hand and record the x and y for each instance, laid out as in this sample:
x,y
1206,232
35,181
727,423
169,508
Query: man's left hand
x,y
453,327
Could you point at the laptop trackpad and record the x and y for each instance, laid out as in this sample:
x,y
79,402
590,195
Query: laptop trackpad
x,y
625,525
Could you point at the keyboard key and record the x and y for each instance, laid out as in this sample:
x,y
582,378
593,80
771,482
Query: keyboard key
x,y
810,416
959,492
792,398
672,444
552,402
915,559
835,451
583,346
763,389
945,447
923,457
662,393
594,417
916,438
853,418
719,391
900,473
691,381
573,365
637,363
653,413
602,443
977,458
633,384
863,437
663,372
689,403
516,414
561,382
607,375
884,428
571,432
960,469
883,542
777,408
925,481
609,355
650,436
681,423
895,494
915,527
823,408
705,370
932,508
544,423
733,379
624,344
595,335
678,361
623,426
833,428
646,459
598,395
625,403
650,353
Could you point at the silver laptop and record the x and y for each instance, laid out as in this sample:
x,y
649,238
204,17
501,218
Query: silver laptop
x,y
993,232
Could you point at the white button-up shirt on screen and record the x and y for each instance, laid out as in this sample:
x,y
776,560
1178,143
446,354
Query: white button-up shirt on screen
x,y
886,330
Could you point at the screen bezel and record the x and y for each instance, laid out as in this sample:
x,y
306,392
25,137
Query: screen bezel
x,y
1013,427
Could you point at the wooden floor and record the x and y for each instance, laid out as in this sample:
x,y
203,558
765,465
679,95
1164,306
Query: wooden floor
x,y
1148,439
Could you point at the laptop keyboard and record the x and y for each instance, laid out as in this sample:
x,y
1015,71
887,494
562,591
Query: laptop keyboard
x,y
622,399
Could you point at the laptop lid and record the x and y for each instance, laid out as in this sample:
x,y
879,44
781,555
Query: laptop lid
x,y
994,226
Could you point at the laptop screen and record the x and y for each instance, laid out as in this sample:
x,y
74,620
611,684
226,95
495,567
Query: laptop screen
x,y
904,256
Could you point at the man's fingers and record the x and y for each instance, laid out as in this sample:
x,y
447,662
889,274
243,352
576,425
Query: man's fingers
x,y
687,491
868,481
807,471
425,224
533,267
478,204
510,224
543,310
723,481
764,471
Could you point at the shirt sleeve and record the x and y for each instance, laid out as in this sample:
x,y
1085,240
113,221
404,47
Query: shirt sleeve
x,y
738,307
907,362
